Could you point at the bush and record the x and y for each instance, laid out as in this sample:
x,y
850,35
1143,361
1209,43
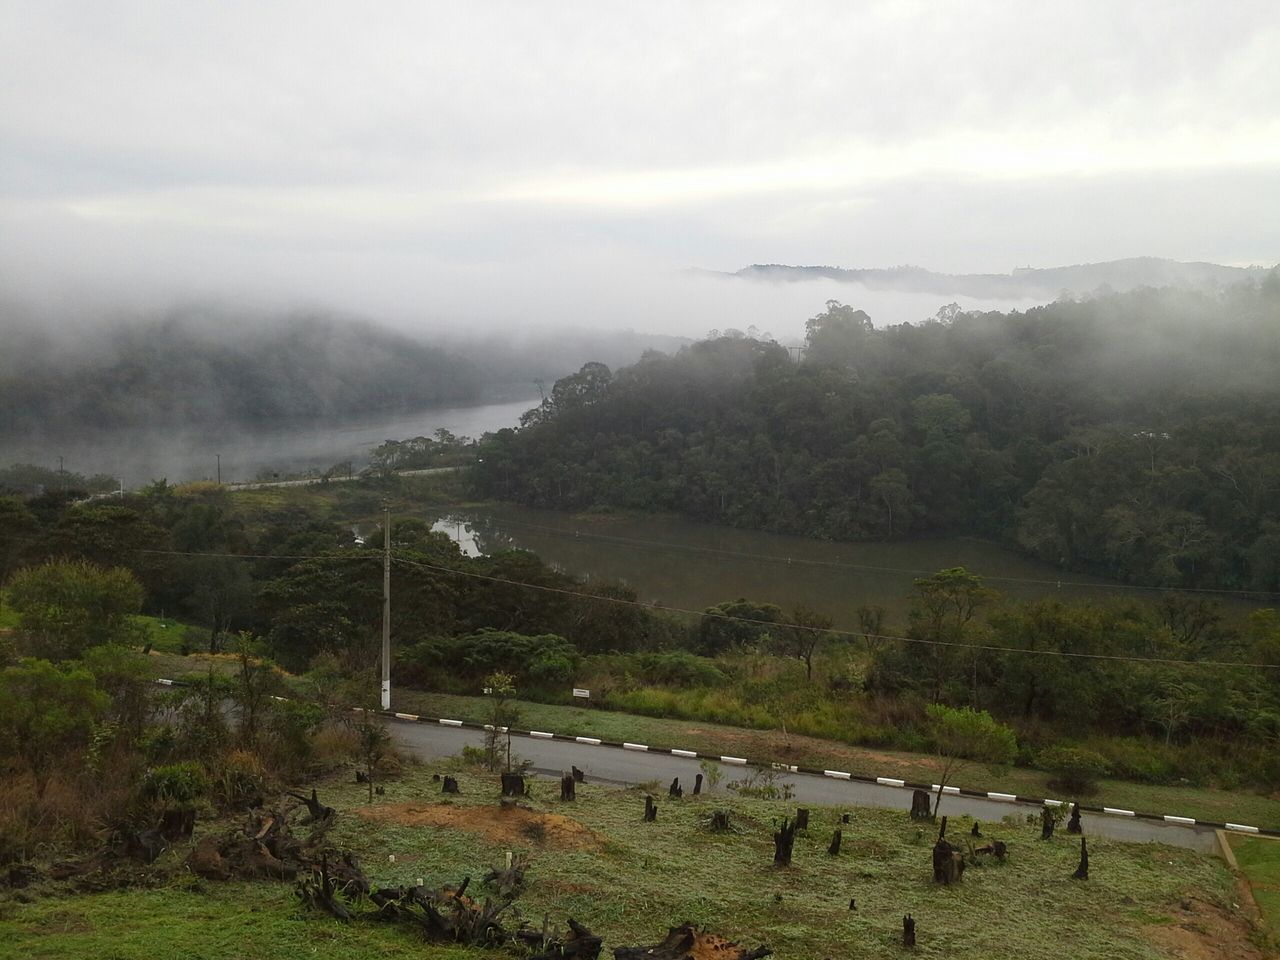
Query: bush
x,y
1074,769
175,785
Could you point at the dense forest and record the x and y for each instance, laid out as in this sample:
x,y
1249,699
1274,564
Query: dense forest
x,y
1135,435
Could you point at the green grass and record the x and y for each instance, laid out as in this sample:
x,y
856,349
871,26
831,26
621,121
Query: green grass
x,y
1259,860
1201,803
636,879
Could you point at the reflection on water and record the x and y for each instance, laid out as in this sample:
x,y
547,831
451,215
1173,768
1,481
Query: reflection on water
x,y
690,565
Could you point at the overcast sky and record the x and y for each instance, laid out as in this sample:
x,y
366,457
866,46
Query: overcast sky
x,y
488,161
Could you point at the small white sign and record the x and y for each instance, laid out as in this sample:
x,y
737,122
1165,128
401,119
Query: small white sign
x,y
584,694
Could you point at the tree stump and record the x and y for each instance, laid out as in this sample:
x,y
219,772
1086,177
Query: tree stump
x,y
948,862
650,809
921,805
567,787
908,931
975,832
1073,825
783,840
687,942
317,812
997,848
578,944
697,785
1082,871
1047,822
836,837
507,883
720,821
802,819
676,791
579,777
846,818
450,785
177,824
853,904
513,785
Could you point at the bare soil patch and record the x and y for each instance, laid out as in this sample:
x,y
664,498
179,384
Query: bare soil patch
x,y
1206,932
510,826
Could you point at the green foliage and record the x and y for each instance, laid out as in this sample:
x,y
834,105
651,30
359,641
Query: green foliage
x,y
175,785
1074,769
961,735
46,712
546,660
1105,435
68,606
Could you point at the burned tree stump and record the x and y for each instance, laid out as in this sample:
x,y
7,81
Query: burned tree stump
x,y
317,812
720,821
578,944
846,818
177,824
1082,871
320,891
697,785
783,840
508,883
948,862
1047,822
676,791
921,806
450,786
513,785
650,809
976,833
687,942
836,838
1073,825
578,777
802,819
908,931
997,848
567,787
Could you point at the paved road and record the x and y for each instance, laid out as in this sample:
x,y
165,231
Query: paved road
x,y
613,766
311,481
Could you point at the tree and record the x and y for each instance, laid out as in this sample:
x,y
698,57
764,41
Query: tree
x,y
45,712
67,606
942,612
962,735
801,637
500,688
18,530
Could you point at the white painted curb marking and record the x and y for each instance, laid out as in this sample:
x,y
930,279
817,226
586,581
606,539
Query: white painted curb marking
x,y
591,740
542,735
1003,797
457,723
1117,812
934,789
837,774
1186,820
737,760
683,753
635,746
1242,828
890,782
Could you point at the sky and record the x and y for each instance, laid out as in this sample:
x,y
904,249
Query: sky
x,y
530,163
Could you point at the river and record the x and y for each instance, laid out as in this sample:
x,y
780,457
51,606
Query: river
x,y
689,565
138,456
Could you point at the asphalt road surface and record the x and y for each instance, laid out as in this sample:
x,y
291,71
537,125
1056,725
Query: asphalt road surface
x,y
612,766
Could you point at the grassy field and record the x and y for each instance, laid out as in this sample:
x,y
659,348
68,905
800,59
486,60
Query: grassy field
x,y
597,861
1259,860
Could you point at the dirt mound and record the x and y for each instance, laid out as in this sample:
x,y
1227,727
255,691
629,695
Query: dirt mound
x,y
507,826
1205,932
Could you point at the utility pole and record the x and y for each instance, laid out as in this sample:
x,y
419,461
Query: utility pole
x,y
219,456
62,477
386,606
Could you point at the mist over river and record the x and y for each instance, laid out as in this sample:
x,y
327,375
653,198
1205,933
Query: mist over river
x,y
138,456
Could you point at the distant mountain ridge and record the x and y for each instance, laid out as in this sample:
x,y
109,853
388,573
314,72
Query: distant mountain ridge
x,y
1078,279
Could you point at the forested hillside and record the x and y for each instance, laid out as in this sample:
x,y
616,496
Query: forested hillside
x,y
1135,435
195,367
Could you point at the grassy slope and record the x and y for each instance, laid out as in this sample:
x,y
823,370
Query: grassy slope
x,y
1259,860
637,878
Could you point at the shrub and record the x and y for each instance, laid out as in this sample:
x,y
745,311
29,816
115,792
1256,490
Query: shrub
x,y
175,785
1074,769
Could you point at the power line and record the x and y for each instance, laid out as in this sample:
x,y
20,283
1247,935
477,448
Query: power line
x,y
833,631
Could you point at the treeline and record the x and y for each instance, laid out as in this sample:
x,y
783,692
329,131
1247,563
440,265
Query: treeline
x,y
198,367
1135,436
1128,681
